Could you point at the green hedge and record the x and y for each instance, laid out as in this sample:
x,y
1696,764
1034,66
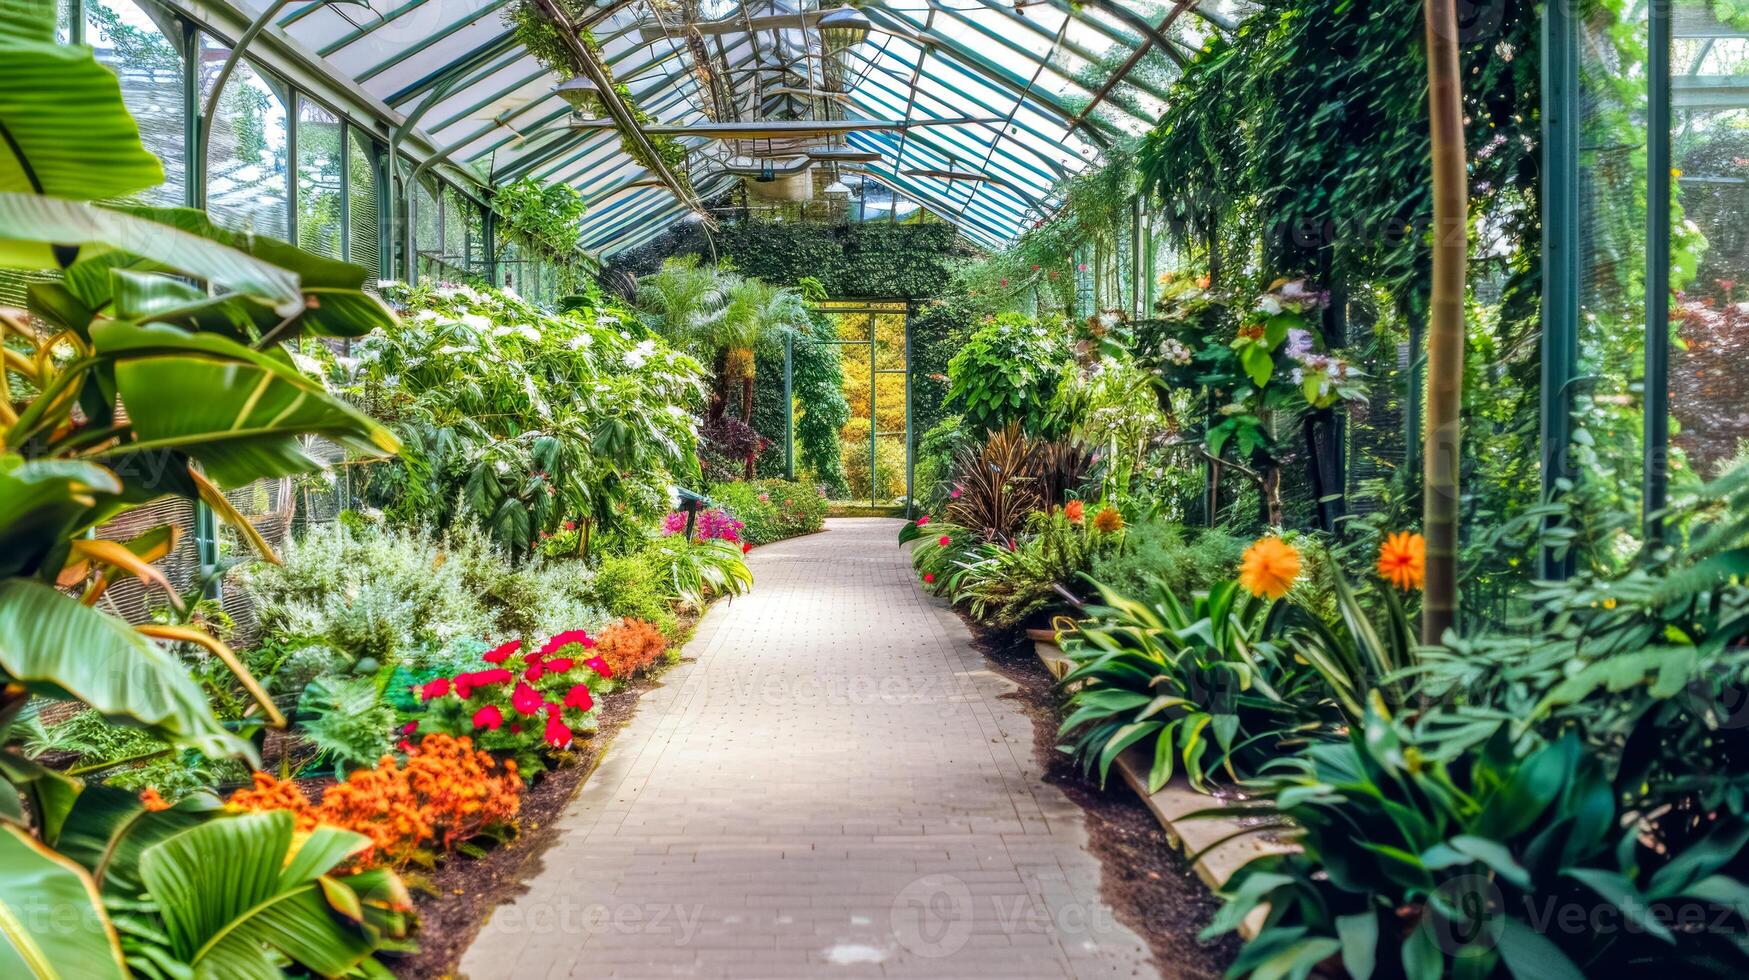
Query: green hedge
x,y
772,510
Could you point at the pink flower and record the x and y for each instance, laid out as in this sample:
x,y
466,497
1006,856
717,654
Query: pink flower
x,y
765,498
488,717
954,494
558,734
570,525
533,672
923,521
929,578
409,728
500,654
944,541
599,666
526,699
434,689
558,665
578,697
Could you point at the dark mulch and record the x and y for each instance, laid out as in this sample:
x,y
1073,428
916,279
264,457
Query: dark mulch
x,y
1146,881
454,902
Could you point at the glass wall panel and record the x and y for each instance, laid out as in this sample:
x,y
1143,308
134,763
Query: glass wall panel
x,y
1709,399
149,66
247,169
318,188
362,229
1607,400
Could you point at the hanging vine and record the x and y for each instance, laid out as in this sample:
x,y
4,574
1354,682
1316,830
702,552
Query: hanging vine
x,y
540,37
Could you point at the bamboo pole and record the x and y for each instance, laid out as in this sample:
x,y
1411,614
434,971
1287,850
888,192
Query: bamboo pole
x,y
1445,334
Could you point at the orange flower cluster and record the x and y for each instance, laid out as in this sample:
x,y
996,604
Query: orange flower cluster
x,y
630,645
446,793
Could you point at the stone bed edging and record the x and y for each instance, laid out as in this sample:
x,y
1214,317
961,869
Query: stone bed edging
x,y
1174,802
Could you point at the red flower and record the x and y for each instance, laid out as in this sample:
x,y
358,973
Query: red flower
x,y
497,675
516,728
526,699
434,689
566,638
570,525
923,521
488,717
404,746
929,578
501,654
746,548
409,728
945,541
599,666
558,733
533,672
558,665
578,697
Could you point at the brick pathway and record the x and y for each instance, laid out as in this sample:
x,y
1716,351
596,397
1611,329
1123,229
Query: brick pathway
x,y
831,787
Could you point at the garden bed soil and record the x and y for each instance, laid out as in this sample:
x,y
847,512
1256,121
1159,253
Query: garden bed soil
x,y
1149,885
454,902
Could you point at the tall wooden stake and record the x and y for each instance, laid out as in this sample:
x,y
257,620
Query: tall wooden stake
x,y
1445,333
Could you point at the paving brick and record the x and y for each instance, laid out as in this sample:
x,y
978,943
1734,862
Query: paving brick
x,y
831,784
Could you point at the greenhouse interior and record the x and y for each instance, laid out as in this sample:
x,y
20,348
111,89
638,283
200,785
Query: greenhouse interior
x,y
874,488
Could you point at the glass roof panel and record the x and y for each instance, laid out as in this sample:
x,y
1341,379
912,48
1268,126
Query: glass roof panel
x,y
1021,83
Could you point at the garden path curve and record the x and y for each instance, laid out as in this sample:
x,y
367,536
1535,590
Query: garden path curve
x,y
830,786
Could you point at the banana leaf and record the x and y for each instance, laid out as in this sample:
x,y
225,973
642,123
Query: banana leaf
x,y
58,648
51,918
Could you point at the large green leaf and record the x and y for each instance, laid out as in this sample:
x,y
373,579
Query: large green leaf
x,y
334,304
42,504
109,829
64,130
230,890
59,648
51,917
250,410
47,233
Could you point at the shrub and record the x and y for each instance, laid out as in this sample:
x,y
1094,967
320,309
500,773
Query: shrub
x,y
1007,373
771,510
1183,560
631,645
447,792
627,585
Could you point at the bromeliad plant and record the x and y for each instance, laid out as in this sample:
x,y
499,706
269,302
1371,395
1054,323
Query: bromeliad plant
x,y
1193,685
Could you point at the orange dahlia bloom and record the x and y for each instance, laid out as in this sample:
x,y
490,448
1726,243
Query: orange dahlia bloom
x,y
1074,510
1403,560
1269,567
1108,521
